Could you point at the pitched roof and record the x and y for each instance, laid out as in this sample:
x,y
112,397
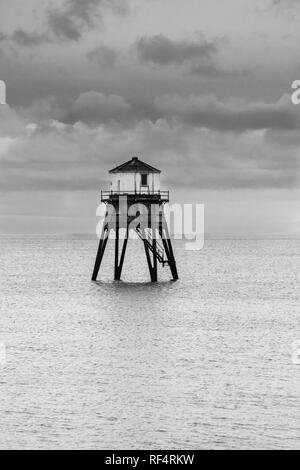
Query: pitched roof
x,y
134,166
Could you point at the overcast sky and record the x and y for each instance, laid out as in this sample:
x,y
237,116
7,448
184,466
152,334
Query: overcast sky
x,y
198,88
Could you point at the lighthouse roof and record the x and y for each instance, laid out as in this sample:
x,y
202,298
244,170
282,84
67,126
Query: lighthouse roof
x,y
134,166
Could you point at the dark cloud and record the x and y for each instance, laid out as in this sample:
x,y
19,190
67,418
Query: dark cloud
x,y
94,108
200,111
198,56
160,50
207,111
56,156
70,21
64,27
103,56
233,115
25,39
67,22
210,69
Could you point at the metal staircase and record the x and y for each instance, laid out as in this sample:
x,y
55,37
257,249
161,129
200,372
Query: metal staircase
x,y
148,239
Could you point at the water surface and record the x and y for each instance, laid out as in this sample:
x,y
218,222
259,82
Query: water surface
x,y
201,363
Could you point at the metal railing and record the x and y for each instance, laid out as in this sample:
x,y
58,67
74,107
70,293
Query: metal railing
x,y
162,195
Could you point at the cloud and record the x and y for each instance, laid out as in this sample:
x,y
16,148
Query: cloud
x,y
235,115
55,156
199,111
93,108
198,56
103,56
63,27
25,39
45,109
70,21
67,22
211,70
160,50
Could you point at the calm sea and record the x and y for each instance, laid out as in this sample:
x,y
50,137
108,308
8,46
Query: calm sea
x,y
206,362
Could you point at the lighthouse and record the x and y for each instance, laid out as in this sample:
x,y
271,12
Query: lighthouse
x,y
135,201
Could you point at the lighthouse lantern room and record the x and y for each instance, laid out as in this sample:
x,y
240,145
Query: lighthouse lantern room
x,y
135,176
